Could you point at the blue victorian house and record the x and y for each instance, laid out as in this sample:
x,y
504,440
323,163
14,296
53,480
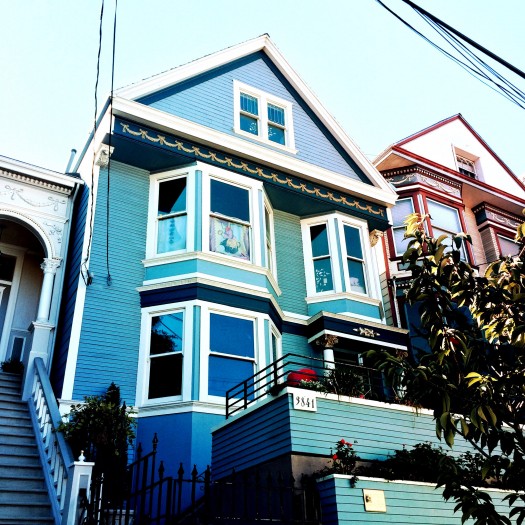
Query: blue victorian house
x,y
230,221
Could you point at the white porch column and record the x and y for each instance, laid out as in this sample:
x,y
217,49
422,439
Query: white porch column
x,y
49,266
328,342
41,328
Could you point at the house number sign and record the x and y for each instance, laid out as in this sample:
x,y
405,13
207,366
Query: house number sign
x,y
303,399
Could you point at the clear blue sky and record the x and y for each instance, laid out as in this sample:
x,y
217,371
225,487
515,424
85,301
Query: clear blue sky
x,y
379,80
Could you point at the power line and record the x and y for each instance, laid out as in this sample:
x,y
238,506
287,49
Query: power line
x,y
467,59
108,278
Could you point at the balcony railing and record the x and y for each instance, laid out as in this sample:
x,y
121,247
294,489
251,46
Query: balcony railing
x,y
307,372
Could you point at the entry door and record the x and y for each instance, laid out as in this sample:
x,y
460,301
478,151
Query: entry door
x,y
7,273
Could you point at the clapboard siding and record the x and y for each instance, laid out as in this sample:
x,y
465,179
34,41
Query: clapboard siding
x,y
414,503
109,339
252,439
297,344
208,100
69,293
275,429
290,262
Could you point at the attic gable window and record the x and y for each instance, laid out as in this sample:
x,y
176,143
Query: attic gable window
x,y
466,166
263,117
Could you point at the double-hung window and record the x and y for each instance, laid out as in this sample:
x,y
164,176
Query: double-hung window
x,y
445,221
232,352
507,246
269,241
165,356
355,261
171,216
230,219
400,211
321,258
262,116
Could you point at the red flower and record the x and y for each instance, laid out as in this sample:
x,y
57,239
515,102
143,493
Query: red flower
x,y
342,442
349,444
334,457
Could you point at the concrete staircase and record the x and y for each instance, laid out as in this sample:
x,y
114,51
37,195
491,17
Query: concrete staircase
x,y
23,494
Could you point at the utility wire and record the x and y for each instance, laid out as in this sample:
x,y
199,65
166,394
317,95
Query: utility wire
x,y
85,273
469,61
467,39
108,278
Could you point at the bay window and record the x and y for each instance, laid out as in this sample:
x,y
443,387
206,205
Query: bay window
x,y
337,256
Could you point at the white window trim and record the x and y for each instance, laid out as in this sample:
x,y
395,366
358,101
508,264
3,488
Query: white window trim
x,y
335,222
367,256
152,229
259,343
253,186
272,268
144,354
308,256
264,99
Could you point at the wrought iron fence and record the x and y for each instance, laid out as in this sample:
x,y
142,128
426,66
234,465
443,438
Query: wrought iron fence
x,y
309,372
244,498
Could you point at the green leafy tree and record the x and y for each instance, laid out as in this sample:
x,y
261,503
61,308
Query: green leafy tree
x,y
473,375
103,428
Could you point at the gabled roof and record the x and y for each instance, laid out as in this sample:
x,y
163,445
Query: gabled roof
x,y
260,44
399,145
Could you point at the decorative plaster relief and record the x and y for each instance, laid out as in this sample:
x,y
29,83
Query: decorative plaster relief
x,y
32,197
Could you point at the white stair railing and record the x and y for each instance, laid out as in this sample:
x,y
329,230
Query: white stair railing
x,y
65,478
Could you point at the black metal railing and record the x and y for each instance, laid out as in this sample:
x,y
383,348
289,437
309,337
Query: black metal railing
x,y
192,498
307,372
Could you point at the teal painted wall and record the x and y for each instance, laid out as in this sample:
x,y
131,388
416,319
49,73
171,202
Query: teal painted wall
x,y
208,100
184,437
252,439
297,344
406,503
109,338
290,262
376,429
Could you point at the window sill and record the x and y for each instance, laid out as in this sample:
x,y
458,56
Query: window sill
x,y
168,407
266,142
311,299
213,258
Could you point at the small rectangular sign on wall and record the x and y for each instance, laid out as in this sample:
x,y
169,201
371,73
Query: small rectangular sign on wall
x,y
303,399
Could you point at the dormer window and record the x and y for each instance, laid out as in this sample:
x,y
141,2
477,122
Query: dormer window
x,y
466,166
263,117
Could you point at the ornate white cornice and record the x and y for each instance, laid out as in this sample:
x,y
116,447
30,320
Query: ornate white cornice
x,y
27,179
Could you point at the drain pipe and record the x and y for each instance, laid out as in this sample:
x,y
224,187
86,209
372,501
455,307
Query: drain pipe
x,y
71,159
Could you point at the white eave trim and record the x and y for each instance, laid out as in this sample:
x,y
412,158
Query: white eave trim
x,y
162,121
262,43
37,172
